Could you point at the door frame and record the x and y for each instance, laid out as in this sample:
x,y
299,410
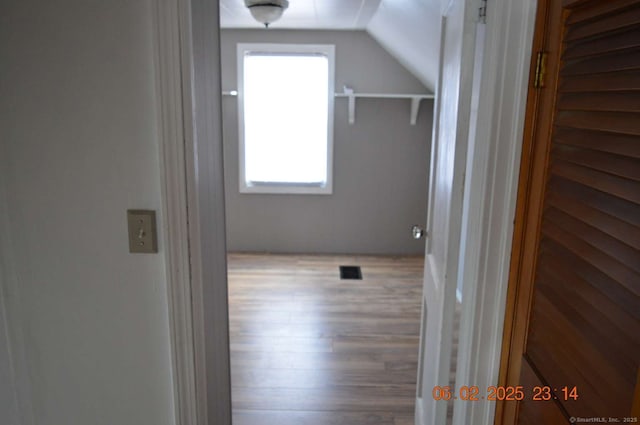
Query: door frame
x,y
193,222
492,176
526,222
190,140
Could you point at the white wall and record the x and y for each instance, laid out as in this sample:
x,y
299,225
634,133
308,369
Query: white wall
x,y
380,162
410,31
78,133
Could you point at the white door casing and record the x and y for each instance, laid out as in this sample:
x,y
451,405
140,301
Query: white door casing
x,y
492,177
502,98
444,222
193,222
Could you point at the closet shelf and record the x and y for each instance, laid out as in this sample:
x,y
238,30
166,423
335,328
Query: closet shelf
x,y
351,96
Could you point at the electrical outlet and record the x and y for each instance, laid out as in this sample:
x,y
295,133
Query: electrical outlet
x,y
142,231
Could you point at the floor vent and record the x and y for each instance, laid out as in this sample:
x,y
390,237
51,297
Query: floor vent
x,y
350,272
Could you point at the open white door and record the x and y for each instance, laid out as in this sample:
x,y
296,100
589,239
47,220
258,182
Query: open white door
x,y
445,218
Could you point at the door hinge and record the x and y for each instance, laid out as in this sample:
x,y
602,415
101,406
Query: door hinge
x,y
482,12
541,70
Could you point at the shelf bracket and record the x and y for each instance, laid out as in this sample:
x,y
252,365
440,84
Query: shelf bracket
x,y
352,104
415,108
414,98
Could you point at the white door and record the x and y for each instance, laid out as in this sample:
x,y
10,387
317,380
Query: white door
x,y
445,218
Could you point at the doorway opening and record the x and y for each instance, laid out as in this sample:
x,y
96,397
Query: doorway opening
x,y
306,346
203,291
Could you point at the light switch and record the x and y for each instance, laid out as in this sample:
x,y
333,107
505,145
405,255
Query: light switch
x,y
142,231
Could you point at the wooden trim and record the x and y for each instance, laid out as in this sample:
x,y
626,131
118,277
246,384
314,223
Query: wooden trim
x,y
511,349
572,3
528,217
635,407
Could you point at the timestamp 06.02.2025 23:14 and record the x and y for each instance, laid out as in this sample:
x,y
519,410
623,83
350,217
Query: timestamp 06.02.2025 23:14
x,y
506,393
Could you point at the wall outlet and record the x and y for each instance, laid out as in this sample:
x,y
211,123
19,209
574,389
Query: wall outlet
x,y
143,237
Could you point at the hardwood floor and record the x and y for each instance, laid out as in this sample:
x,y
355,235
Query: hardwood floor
x,y
310,349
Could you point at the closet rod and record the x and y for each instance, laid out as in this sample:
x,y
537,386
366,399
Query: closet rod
x,y
351,96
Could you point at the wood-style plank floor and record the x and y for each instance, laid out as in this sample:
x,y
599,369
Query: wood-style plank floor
x,y
310,349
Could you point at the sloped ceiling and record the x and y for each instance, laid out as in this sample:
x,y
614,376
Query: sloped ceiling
x,y
408,29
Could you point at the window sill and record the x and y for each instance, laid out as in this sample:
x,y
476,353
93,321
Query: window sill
x,y
286,189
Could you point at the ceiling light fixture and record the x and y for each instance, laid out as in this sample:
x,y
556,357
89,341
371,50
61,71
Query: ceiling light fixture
x,y
266,11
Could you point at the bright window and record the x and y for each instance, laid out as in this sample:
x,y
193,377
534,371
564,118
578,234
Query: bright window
x,y
286,118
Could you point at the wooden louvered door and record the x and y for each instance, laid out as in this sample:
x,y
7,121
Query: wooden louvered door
x,y
573,311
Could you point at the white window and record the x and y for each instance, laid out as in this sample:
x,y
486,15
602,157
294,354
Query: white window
x,y
285,114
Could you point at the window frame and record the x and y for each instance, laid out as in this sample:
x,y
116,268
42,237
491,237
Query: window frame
x,y
327,50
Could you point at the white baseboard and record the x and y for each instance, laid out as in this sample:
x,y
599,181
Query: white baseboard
x,y
419,413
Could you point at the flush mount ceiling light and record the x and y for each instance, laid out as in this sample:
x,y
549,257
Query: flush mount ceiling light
x,y
266,11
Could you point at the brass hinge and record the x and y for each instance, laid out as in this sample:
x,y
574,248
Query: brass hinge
x,y
541,70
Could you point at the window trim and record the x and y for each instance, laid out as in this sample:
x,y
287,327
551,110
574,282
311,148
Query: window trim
x,y
327,50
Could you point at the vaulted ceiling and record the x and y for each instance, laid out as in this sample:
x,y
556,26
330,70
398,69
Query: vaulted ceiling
x,y
408,29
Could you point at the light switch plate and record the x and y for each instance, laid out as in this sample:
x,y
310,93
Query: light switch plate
x,y
142,231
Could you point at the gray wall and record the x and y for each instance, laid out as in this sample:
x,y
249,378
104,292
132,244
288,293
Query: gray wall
x,y
78,146
380,162
8,391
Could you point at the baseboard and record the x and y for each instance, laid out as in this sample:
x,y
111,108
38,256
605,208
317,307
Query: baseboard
x,y
419,413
